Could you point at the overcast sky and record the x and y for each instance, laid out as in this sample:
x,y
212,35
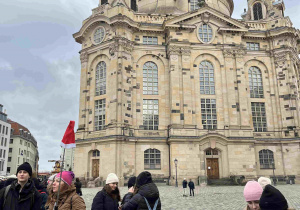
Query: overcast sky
x,y
40,65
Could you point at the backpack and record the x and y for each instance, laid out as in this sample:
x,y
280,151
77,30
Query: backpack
x,y
155,205
6,193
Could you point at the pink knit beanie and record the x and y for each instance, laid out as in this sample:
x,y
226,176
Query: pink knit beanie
x,y
66,177
252,191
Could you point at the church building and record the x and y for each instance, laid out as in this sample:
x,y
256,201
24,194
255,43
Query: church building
x,y
181,89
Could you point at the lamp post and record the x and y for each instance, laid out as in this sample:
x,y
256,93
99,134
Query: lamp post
x,y
176,162
274,178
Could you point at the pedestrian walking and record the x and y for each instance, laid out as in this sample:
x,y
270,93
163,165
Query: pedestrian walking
x,y
21,194
184,185
145,196
252,194
109,197
272,199
68,198
78,187
192,187
129,195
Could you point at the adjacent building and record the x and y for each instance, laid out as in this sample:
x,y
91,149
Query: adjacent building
x,y
68,160
166,80
22,148
4,140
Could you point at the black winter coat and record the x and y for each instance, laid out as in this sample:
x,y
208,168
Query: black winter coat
x,y
191,185
137,202
103,201
28,199
78,187
126,198
184,184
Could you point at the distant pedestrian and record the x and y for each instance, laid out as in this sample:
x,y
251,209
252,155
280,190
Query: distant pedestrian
x,y
263,181
145,196
272,199
252,194
109,197
129,195
78,187
192,187
21,194
68,198
184,185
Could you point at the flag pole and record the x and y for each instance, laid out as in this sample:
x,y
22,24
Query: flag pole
x,y
62,168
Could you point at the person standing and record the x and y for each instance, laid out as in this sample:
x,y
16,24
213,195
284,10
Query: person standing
x,y
192,187
128,196
184,185
78,187
21,194
108,198
146,194
68,198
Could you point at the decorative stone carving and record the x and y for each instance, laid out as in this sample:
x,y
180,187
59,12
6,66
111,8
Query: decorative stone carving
x,y
185,51
83,56
173,50
126,45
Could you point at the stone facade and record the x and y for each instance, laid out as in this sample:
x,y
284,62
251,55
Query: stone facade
x,y
178,39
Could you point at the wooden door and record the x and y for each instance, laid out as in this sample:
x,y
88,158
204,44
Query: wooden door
x,y
95,168
212,168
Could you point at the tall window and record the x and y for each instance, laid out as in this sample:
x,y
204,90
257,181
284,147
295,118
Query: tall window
x,y
257,11
259,117
255,83
101,79
209,114
150,114
266,158
99,114
150,79
194,5
150,40
152,159
133,5
205,33
207,81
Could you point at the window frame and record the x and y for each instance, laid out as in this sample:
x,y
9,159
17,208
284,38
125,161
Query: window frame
x,y
101,38
207,85
253,46
266,158
99,124
209,26
256,90
100,81
155,165
148,117
257,15
209,113
193,5
150,40
150,78
259,118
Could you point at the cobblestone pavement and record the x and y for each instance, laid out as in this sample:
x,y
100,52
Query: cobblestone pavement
x,y
214,198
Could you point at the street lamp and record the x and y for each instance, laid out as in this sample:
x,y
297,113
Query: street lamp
x,y
176,162
274,178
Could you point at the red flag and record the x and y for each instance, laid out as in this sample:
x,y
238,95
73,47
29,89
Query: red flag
x,y
68,140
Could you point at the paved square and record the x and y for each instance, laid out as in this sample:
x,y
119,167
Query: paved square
x,y
208,198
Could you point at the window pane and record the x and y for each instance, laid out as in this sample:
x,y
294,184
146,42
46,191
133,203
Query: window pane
x,y
259,117
205,33
101,79
209,112
99,114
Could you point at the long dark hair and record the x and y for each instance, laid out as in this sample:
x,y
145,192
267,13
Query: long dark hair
x,y
115,194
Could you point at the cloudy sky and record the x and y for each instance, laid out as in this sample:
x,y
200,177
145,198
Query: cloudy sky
x,y
40,65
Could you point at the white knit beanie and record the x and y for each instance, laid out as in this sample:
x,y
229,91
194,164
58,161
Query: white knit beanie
x,y
112,178
263,181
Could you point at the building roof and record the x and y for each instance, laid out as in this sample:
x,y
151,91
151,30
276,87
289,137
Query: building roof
x,y
16,127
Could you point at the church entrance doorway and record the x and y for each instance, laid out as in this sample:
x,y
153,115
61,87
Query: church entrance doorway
x,y
95,171
212,168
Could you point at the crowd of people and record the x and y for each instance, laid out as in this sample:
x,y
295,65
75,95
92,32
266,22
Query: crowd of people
x,y
27,193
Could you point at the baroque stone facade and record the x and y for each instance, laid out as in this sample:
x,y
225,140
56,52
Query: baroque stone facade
x,y
165,79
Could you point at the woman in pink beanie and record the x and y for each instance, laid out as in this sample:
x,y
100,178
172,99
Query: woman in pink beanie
x,y
68,198
252,194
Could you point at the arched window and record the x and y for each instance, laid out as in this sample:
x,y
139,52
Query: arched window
x,y
266,159
96,153
101,79
257,11
150,79
205,33
255,82
152,159
207,81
